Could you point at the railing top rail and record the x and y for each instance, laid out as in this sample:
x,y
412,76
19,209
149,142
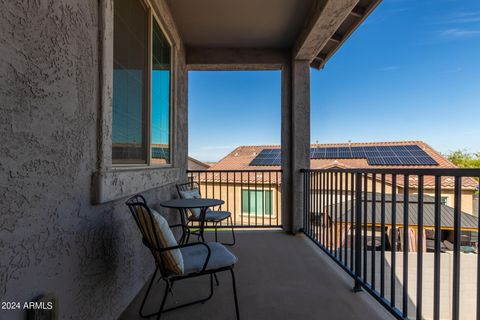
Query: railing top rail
x,y
454,172
219,171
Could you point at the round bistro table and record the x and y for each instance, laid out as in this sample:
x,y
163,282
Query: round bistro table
x,y
201,203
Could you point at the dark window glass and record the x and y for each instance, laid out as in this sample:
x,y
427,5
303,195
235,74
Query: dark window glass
x,y
160,96
130,71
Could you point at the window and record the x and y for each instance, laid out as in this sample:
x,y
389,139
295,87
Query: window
x,y
141,87
160,96
444,200
257,202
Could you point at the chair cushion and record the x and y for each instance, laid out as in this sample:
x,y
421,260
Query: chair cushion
x,y
194,257
172,259
211,215
192,194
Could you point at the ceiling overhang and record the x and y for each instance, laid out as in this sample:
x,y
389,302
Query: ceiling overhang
x,y
252,34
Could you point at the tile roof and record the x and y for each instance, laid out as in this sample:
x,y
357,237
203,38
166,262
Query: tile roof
x,y
240,158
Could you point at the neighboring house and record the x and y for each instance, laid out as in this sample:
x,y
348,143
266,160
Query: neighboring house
x,y
194,164
262,202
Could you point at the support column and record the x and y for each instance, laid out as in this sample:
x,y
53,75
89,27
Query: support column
x,y
295,141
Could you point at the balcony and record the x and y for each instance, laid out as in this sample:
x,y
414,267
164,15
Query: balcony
x,y
398,253
279,276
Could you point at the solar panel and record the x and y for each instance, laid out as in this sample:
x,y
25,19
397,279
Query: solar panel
x,y
267,157
412,147
409,161
344,153
358,152
426,160
392,161
404,155
376,161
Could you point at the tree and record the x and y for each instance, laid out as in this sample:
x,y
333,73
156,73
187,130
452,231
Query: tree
x,y
464,159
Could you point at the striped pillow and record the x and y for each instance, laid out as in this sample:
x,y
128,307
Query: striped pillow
x,y
172,259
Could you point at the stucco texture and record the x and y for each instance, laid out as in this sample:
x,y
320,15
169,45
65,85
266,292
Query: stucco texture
x,y
52,239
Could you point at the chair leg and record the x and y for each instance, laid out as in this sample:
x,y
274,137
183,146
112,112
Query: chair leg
x,y
235,294
194,302
164,299
146,295
216,231
216,279
233,233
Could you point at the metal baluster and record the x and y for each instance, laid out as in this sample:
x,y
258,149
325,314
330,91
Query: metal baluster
x,y
235,198
406,201
365,224
358,237
436,271
264,192
340,228
374,228
420,249
353,248
456,248
336,216
393,277
382,254
346,221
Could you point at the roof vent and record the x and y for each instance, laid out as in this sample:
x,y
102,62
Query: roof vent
x,y
236,154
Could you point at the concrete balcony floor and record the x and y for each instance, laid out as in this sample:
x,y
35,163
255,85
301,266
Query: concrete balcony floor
x,y
279,276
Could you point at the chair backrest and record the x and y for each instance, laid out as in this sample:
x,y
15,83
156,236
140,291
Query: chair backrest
x,y
188,186
152,236
185,188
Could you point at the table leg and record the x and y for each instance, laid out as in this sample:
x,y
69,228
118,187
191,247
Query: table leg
x,y
203,213
184,238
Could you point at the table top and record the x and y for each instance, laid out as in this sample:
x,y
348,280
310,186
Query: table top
x,y
191,203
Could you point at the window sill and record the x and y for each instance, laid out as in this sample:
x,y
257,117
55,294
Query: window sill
x,y
121,182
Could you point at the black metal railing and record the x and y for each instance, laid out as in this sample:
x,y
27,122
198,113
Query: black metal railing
x,y
253,197
409,237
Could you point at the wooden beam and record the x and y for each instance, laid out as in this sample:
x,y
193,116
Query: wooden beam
x,y
325,18
236,59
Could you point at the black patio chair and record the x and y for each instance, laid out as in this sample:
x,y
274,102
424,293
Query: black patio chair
x,y
213,216
199,258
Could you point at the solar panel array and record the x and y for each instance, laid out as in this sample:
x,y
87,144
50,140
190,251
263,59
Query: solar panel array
x,y
406,155
267,157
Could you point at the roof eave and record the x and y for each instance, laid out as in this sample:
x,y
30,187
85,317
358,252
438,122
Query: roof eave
x,y
360,13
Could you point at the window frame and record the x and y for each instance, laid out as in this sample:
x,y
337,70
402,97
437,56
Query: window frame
x,y
152,15
113,182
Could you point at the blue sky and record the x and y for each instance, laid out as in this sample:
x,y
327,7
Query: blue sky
x,y
410,72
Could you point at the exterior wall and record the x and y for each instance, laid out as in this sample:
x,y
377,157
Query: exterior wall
x,y
52,239
232,195
467,203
